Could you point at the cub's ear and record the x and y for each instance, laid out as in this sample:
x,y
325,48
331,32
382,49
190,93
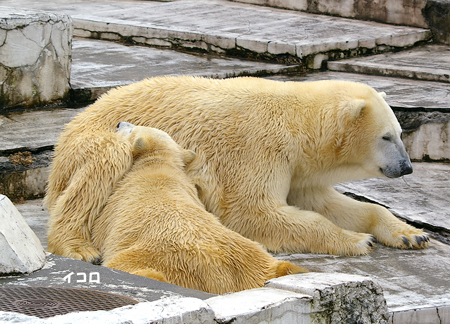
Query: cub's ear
x,y
382,94
188,156
141,145
355,108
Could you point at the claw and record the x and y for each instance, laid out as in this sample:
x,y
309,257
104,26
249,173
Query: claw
x,y
420,240
405,241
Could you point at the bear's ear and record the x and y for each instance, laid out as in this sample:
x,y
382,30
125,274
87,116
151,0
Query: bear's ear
x,y
141,146
188,156
355,107
382,94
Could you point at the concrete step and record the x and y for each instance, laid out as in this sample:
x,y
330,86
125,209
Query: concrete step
x,y
428,62
434,14
232,29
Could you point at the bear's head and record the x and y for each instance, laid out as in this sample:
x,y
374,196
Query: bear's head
x,y
147,140
374,135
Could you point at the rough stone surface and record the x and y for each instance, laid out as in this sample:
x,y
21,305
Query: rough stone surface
x,y
35,51
21,250
430,62
262,305
338,297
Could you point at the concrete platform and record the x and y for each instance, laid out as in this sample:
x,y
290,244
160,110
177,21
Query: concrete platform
x,y
430,62
412,280
231,28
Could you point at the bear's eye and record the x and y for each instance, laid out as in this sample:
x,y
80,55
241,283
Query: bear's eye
x,y
387,137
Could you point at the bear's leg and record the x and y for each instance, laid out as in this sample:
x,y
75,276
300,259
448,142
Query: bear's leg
x,y
105,161
290,229
368,218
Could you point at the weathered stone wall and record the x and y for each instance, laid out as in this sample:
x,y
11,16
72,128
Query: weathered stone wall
x,y
35,57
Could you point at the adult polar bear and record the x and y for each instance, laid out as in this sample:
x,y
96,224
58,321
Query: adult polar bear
x,y
268,155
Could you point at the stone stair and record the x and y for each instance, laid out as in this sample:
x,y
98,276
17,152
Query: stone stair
x,y
119,42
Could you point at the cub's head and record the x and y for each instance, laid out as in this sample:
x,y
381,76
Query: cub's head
x,y
374,135
151,141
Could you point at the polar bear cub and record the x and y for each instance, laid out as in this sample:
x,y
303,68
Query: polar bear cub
x,y
154,225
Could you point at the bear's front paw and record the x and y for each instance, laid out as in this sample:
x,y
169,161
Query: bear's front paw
x,y
405,236
414,241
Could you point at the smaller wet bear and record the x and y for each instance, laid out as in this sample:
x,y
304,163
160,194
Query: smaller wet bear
x,y
154,225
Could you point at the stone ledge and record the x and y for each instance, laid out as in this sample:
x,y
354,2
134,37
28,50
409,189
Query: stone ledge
x,y
35,54
434,14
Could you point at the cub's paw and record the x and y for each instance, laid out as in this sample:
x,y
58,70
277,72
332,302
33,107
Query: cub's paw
x,y
82,251
150,273
285,268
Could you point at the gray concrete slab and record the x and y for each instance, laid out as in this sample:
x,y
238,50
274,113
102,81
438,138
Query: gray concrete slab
x,y
226,27
430,62
97,63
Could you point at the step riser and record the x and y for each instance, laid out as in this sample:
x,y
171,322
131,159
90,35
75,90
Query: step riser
x,y
428,142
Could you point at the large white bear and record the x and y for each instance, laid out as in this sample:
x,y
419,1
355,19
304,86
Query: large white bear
x,y
268,155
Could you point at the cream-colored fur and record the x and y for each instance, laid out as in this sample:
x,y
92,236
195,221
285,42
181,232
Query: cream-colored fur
x,y
268,155
154,225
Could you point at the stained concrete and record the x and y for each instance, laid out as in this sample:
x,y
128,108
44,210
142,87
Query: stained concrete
x,y
63,272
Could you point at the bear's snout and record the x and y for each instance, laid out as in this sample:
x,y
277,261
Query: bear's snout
x,y
405,168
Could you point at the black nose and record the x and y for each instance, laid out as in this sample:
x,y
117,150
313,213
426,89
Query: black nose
x,y
406,168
